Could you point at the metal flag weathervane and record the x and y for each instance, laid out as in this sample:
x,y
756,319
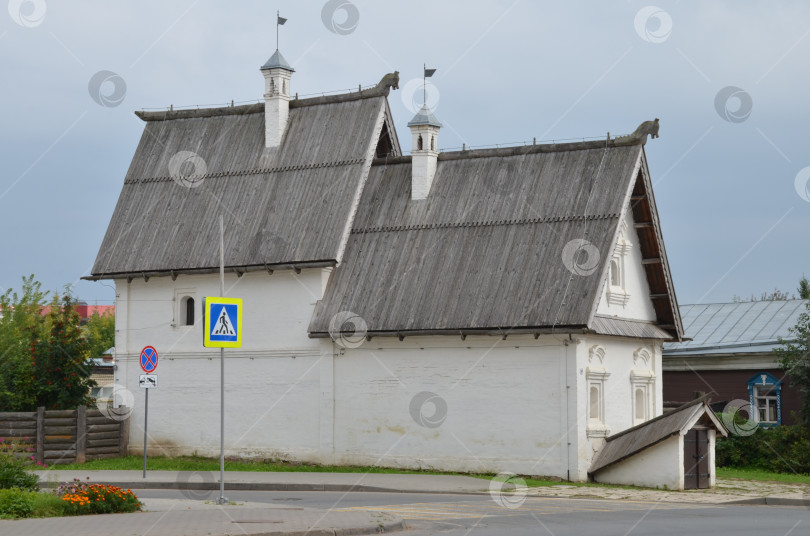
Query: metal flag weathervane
x,y
279,22
427,74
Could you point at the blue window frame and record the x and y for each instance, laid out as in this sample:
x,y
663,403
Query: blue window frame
x,y
765,397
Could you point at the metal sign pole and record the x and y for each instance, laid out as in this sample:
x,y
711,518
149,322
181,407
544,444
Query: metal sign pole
x,y
145,421
222,499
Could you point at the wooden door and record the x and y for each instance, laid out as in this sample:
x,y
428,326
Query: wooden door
x,y
696,459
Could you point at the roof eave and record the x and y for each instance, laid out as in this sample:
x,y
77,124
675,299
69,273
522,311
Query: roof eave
x,y
463,332
239,270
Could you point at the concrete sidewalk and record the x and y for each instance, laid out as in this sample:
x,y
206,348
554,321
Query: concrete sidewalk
x,y
195,518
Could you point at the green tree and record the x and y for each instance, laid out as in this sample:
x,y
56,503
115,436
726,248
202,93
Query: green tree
x,y
804,288
62,370
794,357
21,330
99,330
43,356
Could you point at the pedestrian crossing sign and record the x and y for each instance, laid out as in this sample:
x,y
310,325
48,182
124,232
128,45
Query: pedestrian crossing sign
x,y
222,325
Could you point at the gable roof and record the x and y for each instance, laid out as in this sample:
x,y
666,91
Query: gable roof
x,y
285,206
745,327
483,253
633,440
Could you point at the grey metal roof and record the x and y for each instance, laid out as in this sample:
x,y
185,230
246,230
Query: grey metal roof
x,y
484,250
745,327
633,440
284,205
277,61
424,117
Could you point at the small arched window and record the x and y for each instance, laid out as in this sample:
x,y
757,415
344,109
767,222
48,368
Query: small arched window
x,y
187,311
433,143
272,86
419,142
615,276
283,87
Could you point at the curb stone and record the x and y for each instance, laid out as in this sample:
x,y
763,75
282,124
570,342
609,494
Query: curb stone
x,y
772,501
260,486
385,527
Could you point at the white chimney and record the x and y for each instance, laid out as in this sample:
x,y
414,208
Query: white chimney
x,y
277,73
424,152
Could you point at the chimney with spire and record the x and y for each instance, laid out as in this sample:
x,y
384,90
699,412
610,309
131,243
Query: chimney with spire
x,y
277,73
424,149
424,153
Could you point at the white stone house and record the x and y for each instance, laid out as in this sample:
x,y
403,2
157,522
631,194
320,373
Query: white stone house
x,y
489,310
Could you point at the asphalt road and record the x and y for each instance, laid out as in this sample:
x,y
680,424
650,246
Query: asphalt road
x,y
461,515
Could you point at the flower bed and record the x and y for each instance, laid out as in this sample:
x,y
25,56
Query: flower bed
x,y
83,498
74,498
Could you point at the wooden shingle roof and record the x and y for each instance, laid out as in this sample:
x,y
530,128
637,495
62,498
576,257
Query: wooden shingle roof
x,y
281,206
483,253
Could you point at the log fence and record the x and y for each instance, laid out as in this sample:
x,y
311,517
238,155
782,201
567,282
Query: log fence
x,y
66,436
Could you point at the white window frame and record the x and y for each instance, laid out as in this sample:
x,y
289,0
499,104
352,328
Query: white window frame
x,y
770,401
178,322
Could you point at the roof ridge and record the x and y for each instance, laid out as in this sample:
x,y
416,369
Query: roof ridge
x,y
509,151
255,108
480,223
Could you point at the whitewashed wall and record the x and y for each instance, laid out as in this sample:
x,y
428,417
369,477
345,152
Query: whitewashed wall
x,y
620,362
272,382
498,405
511,405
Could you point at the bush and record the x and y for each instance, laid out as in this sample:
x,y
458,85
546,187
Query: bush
x,y
14,458
782,449
16,503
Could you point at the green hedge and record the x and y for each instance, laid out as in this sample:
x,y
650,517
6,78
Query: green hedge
x,y
782,449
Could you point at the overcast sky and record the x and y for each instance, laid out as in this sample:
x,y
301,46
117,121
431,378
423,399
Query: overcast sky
x,y
728,81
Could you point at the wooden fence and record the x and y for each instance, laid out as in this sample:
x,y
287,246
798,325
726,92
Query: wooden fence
x,y
67,436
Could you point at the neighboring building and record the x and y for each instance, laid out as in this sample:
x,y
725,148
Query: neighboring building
x,y
489,310
730,356
103,373
86,311
82,309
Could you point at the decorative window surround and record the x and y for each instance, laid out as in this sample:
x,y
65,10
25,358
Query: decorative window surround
x,y
617,289
765,397
642,385
595,376
642,358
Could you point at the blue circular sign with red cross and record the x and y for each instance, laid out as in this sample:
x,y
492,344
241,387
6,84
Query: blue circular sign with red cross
x,y
149,359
